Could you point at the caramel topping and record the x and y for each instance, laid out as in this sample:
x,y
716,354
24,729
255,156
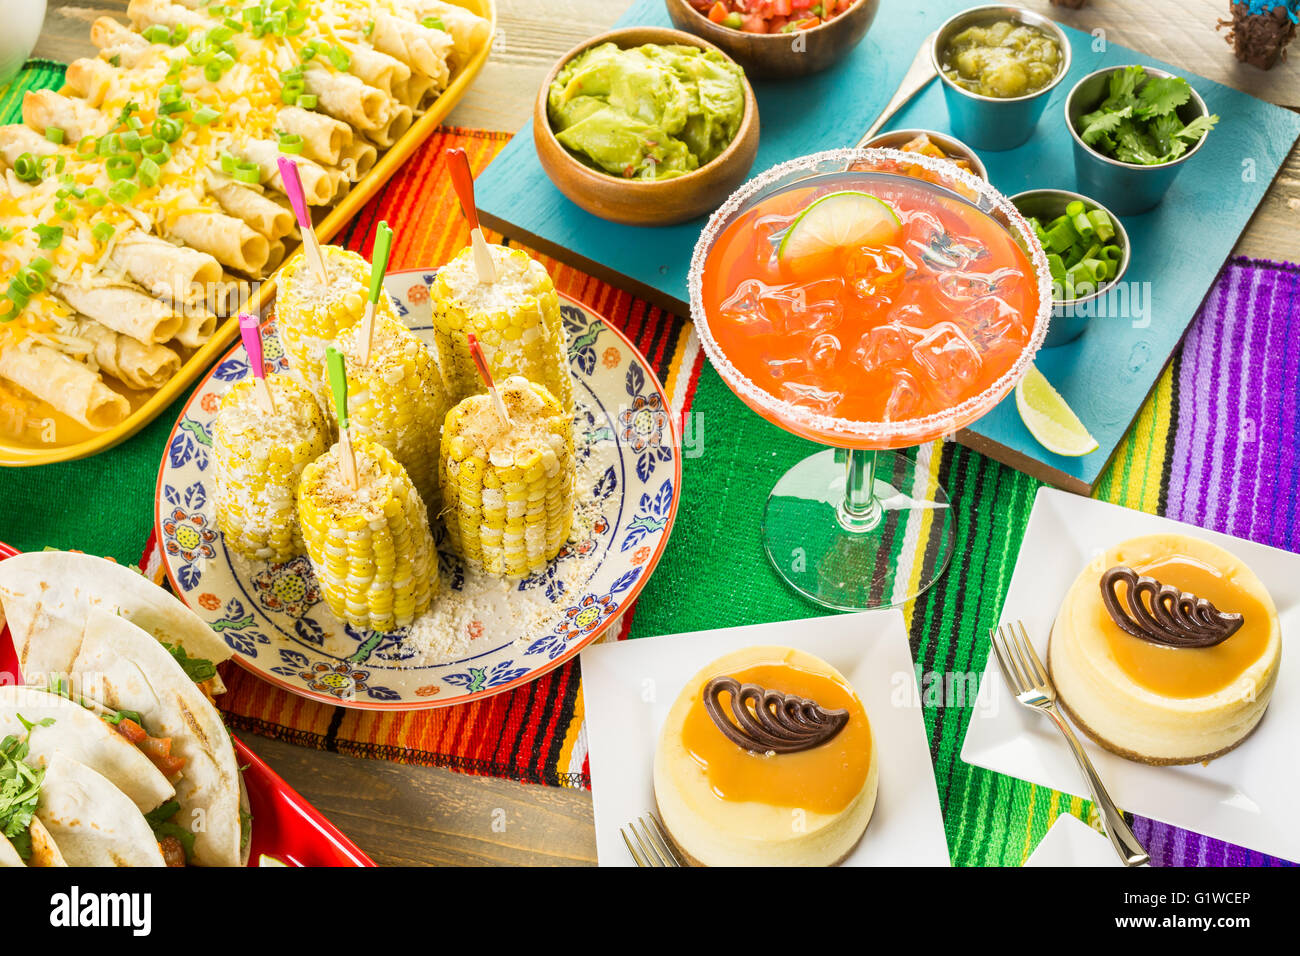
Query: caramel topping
x,y
1182,672
1162,614
822,778
768,721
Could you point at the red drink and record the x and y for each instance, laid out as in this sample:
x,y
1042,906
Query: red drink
x,y
893,307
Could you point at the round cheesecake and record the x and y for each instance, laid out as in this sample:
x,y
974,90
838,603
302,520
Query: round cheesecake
x,y
1184,674
766,759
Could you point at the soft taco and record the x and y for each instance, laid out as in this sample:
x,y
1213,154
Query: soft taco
x,y
46,596
102,743
126,670
24,841
92,822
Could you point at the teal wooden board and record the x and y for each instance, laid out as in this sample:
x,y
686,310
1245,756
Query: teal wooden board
x,y
1105,375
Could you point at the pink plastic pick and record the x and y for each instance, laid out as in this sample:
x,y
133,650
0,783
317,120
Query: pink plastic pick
x,y
297,199
251,332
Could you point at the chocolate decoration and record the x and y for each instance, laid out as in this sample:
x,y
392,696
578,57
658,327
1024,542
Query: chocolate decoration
x,y
1174,618
779,723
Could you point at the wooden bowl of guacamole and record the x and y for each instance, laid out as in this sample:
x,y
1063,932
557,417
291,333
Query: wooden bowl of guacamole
x,y
646,126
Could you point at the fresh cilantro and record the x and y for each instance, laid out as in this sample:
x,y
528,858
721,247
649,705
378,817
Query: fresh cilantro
x,y
197,669
160,821
1138,121
20,789
122,715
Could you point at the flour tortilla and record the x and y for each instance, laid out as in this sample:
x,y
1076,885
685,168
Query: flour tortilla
x,y
45,596
8,855
93,822
82,735
44,851
124,668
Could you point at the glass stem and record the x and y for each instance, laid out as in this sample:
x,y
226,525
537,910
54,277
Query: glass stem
x,y
860,510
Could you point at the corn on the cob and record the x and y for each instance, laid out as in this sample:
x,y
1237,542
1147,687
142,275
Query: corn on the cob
x,y
310,314
258,458
516,320
397,399
508,488
370,546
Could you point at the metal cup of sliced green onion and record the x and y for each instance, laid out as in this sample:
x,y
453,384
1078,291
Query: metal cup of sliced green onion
x,y
1088,252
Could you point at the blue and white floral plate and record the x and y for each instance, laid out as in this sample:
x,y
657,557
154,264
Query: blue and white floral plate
x,y
275,620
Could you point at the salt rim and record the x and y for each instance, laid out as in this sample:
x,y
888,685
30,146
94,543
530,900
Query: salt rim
x,y
944,422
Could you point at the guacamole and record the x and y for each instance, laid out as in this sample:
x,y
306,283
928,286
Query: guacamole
x,y
1003,59
648,112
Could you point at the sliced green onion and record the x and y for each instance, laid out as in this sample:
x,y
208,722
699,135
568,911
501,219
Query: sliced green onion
x,y
432,23
102,231
123,192
95,196
291,143
248,173
206,115
339,57
150,172
27,169
167,130
86,147
228,162
157,33
120,167
41,264
54,135
51,237
307,101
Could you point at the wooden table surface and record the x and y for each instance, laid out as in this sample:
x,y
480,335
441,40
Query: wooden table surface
x,y
404,815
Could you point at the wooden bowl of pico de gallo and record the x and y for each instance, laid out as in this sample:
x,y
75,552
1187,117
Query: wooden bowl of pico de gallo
x,y
778,39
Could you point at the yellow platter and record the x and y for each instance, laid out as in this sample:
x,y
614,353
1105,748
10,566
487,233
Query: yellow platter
x,y
14,453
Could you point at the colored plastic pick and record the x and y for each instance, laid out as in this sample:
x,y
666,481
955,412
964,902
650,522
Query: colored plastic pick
x,y
338,375
462,180
378,266
250,331
480,362
298,200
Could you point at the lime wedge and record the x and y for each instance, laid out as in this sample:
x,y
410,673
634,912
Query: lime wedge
x,y
839,220
1049,419
267,860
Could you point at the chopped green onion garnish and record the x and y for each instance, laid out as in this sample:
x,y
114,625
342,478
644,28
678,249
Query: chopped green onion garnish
x,y
206,115
102,231
120,167
307,101
50,236
54,135
149,172
123,192
27,169
432,23
339,57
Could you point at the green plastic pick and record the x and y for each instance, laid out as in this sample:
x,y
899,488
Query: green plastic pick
x,y
379,260
338,384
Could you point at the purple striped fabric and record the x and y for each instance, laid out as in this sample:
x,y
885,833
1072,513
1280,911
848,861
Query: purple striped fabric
x,y
1233,466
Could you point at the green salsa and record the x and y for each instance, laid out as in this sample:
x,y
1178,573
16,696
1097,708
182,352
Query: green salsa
x,y
647,112
1002,60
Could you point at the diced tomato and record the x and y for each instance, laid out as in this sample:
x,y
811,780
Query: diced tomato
x,y
753,23
718,12
783,8
777,24
800,4
157,749
131,731
173,851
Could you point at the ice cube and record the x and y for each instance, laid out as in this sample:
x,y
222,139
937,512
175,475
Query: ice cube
x,y
963,285
780,368
938,249
745,308
905,396
808,307
811,396
993,321
823,352
886,345
950,360
877,273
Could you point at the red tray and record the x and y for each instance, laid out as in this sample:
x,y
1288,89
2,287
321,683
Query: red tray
x,y
285,825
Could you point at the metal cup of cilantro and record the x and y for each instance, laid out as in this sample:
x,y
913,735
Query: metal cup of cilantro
x,y
1134,127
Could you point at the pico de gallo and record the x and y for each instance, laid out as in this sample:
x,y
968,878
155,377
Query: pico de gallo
x,y
771,16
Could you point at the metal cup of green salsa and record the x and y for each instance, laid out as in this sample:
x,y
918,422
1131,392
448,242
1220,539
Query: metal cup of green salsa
x,y
999,64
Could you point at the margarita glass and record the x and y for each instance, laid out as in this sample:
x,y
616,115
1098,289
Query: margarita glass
x,y
869,300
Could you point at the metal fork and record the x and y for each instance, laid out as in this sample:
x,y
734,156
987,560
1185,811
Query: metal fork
x,y
1031,685
655,847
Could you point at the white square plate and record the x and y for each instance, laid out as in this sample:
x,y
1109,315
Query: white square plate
x,y
1246,796
1071,842
629,686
